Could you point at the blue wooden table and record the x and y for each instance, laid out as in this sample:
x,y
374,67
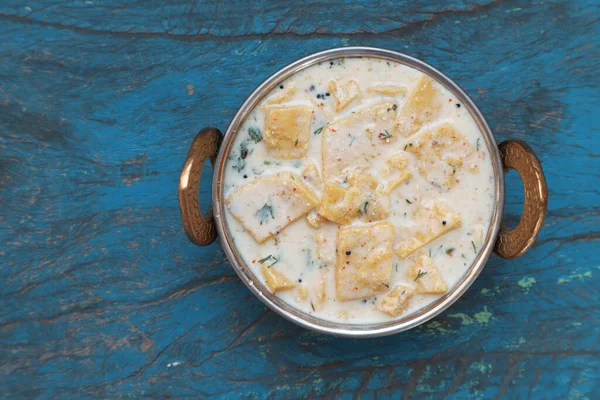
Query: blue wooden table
x,y
102,294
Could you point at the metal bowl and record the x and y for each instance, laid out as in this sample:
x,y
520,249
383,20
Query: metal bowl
x,y
203,229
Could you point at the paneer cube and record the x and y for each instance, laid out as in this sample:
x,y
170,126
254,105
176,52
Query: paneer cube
x,y
302,292
314,220
275,280
396,301
429,223
388,89
321,291
344,91
398,161
394,182
380,204
339,204
363,260
282,95
287,131
268,204
422,106
342,205
325,247
350,144
365,183
441,153
426,276
310,174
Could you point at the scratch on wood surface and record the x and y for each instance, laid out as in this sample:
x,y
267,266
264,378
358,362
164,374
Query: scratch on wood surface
x,y
134,169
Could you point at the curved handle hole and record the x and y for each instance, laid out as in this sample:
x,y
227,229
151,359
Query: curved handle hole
x,y
514,200
205,187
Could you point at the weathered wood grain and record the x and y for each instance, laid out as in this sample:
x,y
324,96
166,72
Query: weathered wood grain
x,y
102,294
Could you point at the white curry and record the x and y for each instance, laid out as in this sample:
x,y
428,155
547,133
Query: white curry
x,y
359,190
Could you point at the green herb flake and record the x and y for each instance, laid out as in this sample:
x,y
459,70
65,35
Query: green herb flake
x,y
273,263
474,248
386,285
420,275
405,146
408,201
318,131
267,162
241,164
296,143
312,306
264,213
255,135
262,260
478,139
450,250
384,136
363,210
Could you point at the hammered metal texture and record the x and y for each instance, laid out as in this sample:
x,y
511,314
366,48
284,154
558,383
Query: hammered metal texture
x,y
200,228
518,155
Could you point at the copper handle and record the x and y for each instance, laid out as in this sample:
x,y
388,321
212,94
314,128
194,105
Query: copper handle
x,y
200,228
517,155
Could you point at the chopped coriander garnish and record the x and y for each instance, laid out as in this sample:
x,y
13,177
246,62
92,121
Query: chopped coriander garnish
x,y
420,275
450,250
385,135
363,210
241,163
255,135
269,257
318,131
262,260
296,143
474,248
478,143
405,146
267,162
312,306
386,285
264,213
408,201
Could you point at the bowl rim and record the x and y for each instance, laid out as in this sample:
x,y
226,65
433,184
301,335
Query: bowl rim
x,y
288,311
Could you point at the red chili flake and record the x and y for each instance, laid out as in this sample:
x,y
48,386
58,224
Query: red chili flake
x,y
253,261
333,130
294,189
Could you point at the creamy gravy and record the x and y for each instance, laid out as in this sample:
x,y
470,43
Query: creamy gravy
x,y
452,196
